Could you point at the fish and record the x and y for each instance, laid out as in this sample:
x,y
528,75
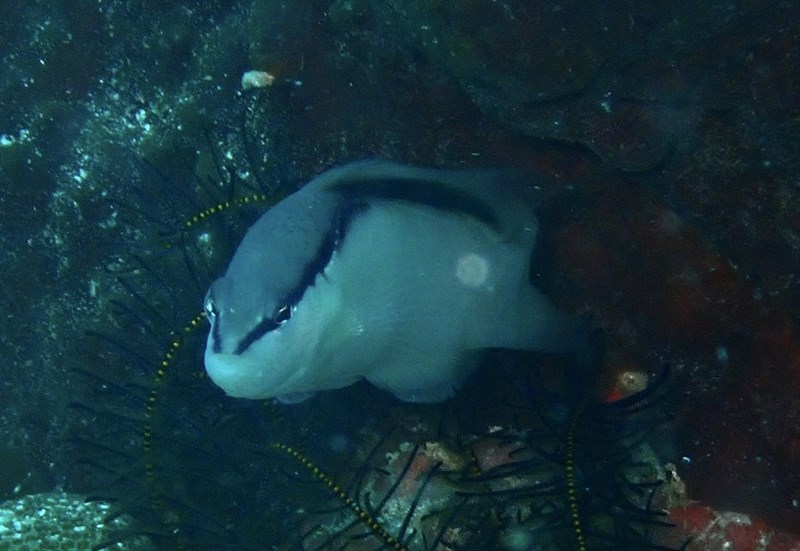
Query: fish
x,y
399,275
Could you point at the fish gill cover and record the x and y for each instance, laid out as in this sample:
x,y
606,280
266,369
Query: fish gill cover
x,y
674,129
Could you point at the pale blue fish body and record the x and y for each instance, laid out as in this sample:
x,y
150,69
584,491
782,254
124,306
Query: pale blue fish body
x,y
398,275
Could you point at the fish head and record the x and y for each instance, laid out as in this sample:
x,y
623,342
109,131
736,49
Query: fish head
x,y
258,342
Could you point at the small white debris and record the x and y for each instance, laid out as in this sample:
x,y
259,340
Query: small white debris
x,y
631,382
257,79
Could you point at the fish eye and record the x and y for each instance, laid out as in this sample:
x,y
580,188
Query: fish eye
x,y
209,307
283,315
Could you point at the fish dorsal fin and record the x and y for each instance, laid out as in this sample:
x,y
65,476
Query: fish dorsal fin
x,y
500,199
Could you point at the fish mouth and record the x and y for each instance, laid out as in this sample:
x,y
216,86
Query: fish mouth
x,y
227,372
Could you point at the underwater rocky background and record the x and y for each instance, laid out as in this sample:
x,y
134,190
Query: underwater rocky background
x,y
665,133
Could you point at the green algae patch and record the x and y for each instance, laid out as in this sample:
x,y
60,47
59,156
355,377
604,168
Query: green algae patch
x,y
61,521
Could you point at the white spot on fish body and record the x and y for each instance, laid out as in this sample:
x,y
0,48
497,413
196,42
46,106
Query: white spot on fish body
x,y
472,270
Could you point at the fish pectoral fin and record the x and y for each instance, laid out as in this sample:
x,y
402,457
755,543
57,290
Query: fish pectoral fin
x,y
429,394
294,397
426,377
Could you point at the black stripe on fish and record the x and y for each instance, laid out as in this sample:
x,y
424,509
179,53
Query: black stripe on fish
x,y
316,266
215,338
265,326
346,213
430,193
